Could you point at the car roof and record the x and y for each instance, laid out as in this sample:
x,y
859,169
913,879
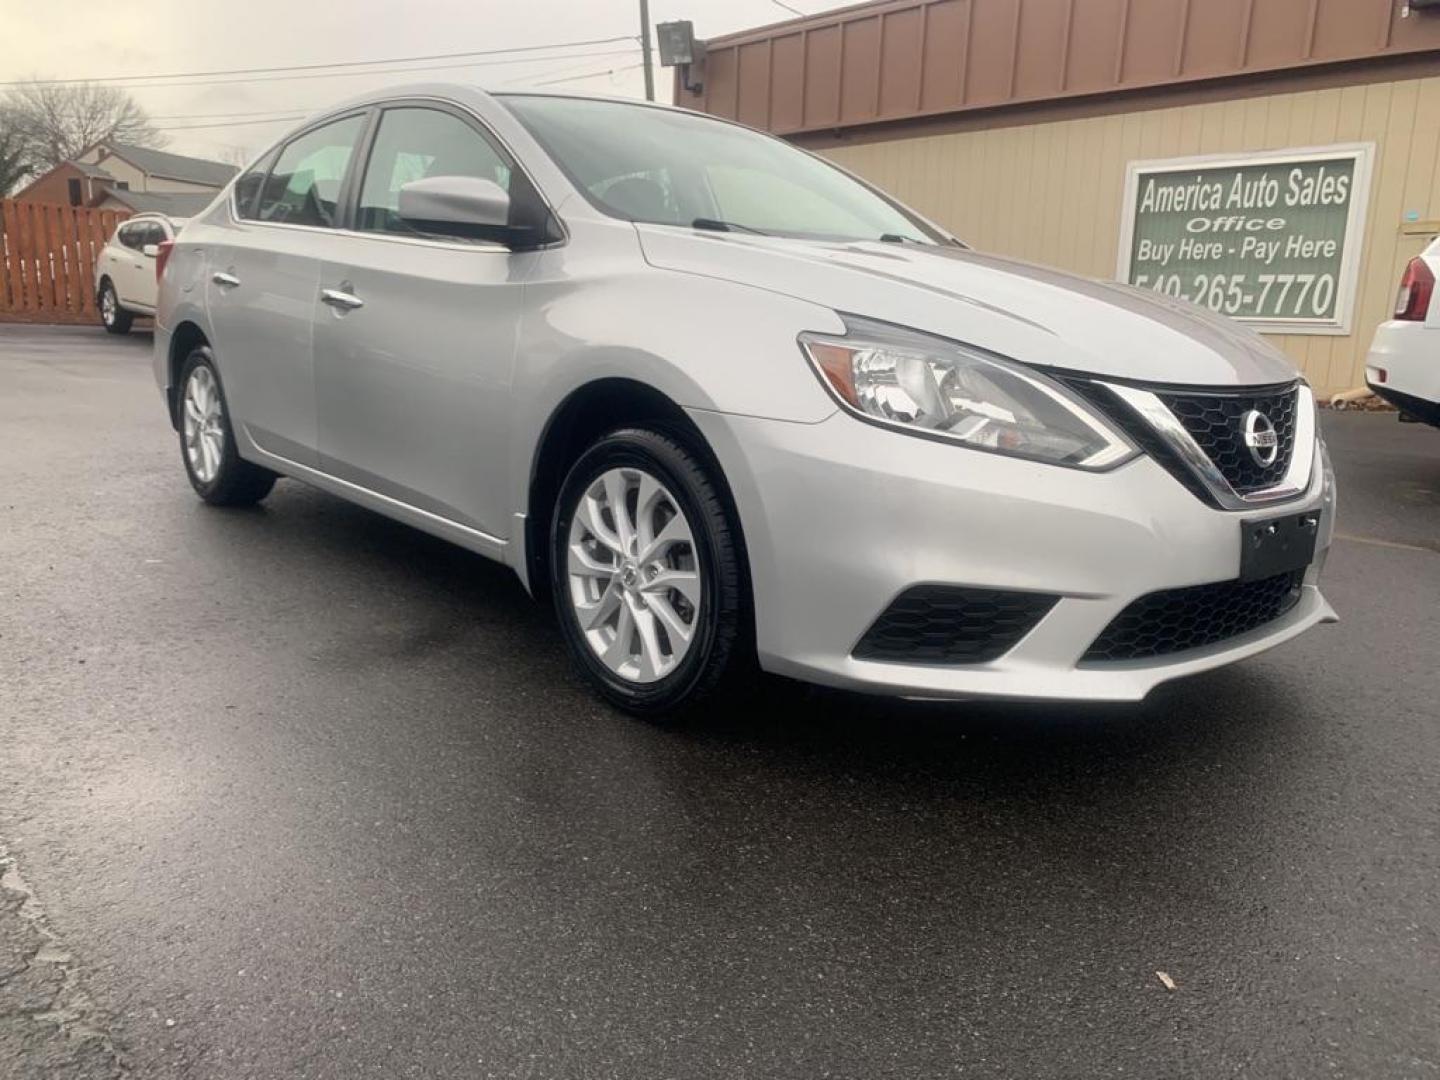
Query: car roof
x,y
155,215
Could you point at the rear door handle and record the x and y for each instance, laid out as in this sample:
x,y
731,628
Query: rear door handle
x,y
229,281
338,298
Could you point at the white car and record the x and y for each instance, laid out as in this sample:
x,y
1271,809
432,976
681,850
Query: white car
x,y
1404,362
125,284
726,404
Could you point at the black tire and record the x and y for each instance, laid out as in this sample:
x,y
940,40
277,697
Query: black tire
x,y
720,661
236,482
113,317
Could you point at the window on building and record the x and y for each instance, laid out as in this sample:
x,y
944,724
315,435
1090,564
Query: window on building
x,y
76,195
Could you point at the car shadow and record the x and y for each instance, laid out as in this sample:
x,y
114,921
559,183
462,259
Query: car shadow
x,y
957,805
1210,713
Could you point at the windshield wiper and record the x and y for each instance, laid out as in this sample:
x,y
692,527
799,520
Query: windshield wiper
x,y
716,225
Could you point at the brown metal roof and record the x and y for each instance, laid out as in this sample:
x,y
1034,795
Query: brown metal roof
x,y
899,59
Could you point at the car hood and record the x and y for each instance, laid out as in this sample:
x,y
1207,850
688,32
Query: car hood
x,y
1029,313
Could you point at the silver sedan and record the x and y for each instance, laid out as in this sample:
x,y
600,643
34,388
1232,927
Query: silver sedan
x,y
729,408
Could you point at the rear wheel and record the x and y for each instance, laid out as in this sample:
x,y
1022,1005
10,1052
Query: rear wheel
x,y
217,472
115,319
646,575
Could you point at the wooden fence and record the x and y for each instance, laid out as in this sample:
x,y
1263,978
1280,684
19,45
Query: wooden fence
x,y
47,260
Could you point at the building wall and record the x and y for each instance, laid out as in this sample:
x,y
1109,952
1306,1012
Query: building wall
x,y
888,60
139,180
122,171
54,186
164,183
1051,191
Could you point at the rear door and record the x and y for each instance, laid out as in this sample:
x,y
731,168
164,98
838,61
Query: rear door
x,y
413,371
127,264
145,286
263,276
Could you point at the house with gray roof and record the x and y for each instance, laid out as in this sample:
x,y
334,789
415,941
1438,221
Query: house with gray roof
x,y
119,176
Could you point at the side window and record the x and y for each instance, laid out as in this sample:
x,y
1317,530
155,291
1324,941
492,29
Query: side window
x,y
304,185
130,235
249,185
411,144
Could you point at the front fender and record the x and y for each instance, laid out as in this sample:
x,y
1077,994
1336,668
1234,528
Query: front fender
x,y
703,343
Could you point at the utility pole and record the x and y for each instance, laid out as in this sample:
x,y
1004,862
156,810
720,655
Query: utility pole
x,y
645,44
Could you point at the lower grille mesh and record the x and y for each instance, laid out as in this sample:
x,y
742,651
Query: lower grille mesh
x,y
1174,620
949,624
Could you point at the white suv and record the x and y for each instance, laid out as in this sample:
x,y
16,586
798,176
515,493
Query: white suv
x,y
125,284
1404,362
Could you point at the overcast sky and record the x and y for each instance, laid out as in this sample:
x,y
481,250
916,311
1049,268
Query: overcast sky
x,y
101,39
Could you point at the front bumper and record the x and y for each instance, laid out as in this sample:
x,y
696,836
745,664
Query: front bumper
x,y
840,517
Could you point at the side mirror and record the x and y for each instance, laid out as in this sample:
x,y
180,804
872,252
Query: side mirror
x,y
464,206
150,250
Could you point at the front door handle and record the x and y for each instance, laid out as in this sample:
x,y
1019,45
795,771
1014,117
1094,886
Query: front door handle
x,y
229,281
338,298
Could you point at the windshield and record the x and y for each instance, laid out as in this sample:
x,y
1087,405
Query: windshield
x,y
674,168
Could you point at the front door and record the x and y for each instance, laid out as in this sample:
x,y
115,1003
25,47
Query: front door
x,y
415,334
262,281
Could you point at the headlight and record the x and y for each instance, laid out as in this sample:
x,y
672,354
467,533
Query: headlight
x,y
930,386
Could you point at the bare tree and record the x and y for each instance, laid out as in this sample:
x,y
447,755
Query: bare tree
x,y
232,154
12,153
54,122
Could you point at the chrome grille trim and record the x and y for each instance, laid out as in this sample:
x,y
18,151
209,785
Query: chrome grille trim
x,y
1168,426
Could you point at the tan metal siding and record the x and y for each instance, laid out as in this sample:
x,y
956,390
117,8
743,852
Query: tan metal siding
x,y
1051,192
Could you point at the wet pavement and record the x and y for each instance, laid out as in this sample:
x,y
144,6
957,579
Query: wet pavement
x,y
301,792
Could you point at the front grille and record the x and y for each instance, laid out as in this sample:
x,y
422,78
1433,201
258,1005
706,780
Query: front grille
x,y
1216,423
1142,434
1174,620
949,624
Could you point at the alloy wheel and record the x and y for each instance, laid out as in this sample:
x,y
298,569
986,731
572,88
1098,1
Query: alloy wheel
x,y
107,305
204,424
634,575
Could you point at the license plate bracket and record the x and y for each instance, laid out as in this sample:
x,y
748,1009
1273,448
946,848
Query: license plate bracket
x,y
1270,546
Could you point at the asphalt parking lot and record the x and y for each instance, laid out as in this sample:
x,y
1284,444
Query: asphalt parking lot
x,y
299,792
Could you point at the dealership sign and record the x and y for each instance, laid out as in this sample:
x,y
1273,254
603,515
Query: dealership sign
x,y
1272,239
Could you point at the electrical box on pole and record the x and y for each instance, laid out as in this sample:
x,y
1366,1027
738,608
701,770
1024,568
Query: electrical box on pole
x,y
678,48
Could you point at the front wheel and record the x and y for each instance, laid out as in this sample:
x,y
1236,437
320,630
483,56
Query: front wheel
x,y
647,574
115,319
217,472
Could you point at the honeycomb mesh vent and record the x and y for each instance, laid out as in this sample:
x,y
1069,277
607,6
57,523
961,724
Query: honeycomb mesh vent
x,y
948,624
1174,620
1216,422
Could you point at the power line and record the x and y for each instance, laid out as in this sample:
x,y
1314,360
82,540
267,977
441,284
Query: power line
x,y
396,71
390,71
787,7
208,116
566,70
591,75
332,64
235,123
